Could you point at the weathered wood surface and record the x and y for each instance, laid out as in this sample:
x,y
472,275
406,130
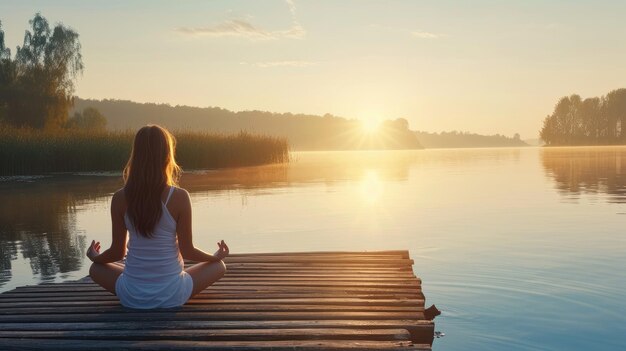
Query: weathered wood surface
x,y
268,301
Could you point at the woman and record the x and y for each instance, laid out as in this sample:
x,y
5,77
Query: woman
x,y
157,216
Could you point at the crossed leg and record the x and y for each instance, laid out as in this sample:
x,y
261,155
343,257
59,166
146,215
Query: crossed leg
x,y
204,274
105,274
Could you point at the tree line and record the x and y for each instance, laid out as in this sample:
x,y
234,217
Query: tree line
x,y
456,139
590,121
303,131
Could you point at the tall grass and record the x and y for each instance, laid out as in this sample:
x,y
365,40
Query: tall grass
x,y
28,151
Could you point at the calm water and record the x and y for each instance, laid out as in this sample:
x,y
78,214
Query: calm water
x,y
521,248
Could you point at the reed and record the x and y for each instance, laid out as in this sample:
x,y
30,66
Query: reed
x,y
31,151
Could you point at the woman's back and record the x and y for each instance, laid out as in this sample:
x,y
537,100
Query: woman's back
x,y
154,274
154,269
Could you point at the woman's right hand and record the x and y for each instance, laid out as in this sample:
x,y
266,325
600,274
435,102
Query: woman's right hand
x,y
223,250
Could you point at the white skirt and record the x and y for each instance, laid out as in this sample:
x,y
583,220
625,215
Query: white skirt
x,y
142,295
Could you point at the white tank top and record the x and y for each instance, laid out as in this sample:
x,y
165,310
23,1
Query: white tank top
x,y
154,275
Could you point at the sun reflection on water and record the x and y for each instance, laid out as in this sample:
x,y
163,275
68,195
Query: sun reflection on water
x,y
371,187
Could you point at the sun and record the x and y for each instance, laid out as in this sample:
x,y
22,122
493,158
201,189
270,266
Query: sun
x,y
370,126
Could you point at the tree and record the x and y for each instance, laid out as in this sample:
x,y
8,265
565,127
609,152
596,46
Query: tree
x,y
89,119
39,85
591,119
615,109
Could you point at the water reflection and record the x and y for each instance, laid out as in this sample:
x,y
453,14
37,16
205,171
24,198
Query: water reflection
x,y
37,221
310,167
587,170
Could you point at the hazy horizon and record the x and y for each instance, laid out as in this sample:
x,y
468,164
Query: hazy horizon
x,y
483,67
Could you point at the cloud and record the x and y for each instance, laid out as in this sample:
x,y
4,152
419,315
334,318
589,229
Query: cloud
x,y
553,26
420,34
229,28
244,29
425,35
293,63
292,9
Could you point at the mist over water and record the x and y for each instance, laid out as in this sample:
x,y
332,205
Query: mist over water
x,y
522,248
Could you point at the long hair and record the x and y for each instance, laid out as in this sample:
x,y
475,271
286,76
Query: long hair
x,y
150,168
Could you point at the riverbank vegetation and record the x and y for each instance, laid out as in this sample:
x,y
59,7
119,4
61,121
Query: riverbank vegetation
x,y
27,151
590,121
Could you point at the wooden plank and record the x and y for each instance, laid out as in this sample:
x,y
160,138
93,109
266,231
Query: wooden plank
x,y
257,290
405,264
284,276
218,324
99,295
95,296
254,301
232,273
161,345
217,335
304,269
252,286
307,276
252,294
317,275
325,266
262,280
401,253
312,260
69,301
320,281
234,307
374,271
331,264
381,264
251,282
249,291
318,255
184,315
278,278
421,331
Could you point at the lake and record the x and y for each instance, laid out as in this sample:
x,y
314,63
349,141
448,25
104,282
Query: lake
x,y
522,248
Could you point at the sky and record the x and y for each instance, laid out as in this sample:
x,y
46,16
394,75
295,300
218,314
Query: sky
x,y
481,66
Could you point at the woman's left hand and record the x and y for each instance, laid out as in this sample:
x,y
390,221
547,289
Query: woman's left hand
x,y
223,250
94,250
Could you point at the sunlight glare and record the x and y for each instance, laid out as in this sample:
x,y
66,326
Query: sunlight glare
x,y
371,187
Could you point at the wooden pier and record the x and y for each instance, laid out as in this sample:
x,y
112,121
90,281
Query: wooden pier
x,y
267,301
